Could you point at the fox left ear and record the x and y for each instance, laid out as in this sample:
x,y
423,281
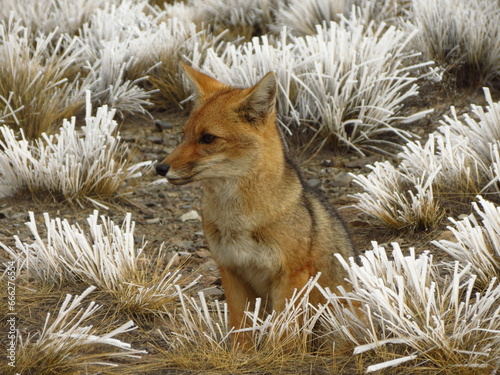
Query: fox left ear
x,y
204,85
261,99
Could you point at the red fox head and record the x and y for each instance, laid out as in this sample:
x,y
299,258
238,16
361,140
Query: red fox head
x,y
228,132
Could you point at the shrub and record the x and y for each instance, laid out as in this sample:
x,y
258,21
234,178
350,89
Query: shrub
x,y
477,242
65,346
104,255
462,35
75,166
34,78
461,157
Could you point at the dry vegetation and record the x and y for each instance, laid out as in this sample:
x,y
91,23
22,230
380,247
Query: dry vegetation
x,y
355,77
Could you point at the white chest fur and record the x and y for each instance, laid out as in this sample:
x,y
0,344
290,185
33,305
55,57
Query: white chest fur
x,y
233,244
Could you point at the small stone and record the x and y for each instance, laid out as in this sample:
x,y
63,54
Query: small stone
x,y
128,138
327,163
203,253
213,292
182,244
191,215
154,220
360,163
155,139
314,183
342,179
163,125
447,235
359,223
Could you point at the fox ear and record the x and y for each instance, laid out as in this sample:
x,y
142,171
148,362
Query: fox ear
x,y
261,99
203,84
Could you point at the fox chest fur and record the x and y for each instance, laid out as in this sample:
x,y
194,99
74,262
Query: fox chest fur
x,y
235,239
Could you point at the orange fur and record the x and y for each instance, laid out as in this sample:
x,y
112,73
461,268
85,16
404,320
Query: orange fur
x,y
267,231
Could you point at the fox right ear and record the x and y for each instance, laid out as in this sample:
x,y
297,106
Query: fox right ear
x,y
204,85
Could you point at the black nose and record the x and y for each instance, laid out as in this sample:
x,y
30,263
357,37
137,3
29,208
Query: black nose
x,y
162,169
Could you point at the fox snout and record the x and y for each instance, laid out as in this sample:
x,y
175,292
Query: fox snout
x,y
162,169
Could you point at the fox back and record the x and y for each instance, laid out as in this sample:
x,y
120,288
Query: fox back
x,y
268,232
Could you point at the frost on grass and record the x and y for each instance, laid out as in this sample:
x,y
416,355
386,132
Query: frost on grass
x,y
402,310
348,81
477,241
201,334
302,17
34,78
463,35
66,345
417,311
244,65
398,200
458,161
353,82
104,255
47,16
78,166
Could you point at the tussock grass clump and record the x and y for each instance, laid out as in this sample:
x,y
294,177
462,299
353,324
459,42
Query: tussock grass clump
x,y
76,166
104,255
239,18
463,35
34,79
458,162
416,312
347,82
175,40
403,311
66,346
477,242
243,65
354,81
302,17
399,200
201,340
47,16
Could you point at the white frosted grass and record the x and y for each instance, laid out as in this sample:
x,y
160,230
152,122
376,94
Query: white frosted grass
x,y
116,37
243,18
45,16
353,81
480,127
459,33
302,17
33,75
399,303
66,334
77,165
105,255
462,157
243,65
477,241
423,310
202,323
398,200
206,323
348,81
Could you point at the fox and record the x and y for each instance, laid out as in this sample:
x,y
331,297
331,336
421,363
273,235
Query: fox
x,y
267,230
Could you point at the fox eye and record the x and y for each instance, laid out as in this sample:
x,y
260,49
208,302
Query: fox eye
x,y
207,138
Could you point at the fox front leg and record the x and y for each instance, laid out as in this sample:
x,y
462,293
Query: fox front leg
x,y
239,295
